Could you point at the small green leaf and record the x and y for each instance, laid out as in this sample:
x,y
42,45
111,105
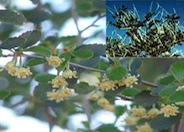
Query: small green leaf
x,y
11,17
97,49
4,94
40,92
177,71
35,61
135,64
116,73
44,77
36,16
31,38
67,57
168,90
145,99
83,88
39,50
156,123
166,80
12,43
86,124
131,92
107,128
119,110
177,96
83,53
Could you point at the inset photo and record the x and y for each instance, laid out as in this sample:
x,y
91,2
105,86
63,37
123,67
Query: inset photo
x,y
149,28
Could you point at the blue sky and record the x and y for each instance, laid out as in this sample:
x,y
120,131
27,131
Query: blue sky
x,y
143,8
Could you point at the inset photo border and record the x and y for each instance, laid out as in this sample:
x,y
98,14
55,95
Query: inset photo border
x,y
149,28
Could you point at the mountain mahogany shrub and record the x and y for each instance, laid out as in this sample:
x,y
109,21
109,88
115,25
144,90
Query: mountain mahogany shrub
x,y
62,93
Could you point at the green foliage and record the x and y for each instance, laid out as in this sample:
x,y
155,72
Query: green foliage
x,y
168,90
177,71
119,110
177,96
83,53
12,43
31,38
44,78
167,122
116,73
166,80
83,88
107,127
4,94
145,99
11,17
39,50
131,92
35,61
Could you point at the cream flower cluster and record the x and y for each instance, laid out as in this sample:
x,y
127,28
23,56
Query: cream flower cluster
x,y
144,128
104,103
59,83
169,110
140,112
127,81
55,61
20,72
59,95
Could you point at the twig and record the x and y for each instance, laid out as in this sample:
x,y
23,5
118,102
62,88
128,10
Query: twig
x,y
93,24
149,83
85,67
76,17
124,98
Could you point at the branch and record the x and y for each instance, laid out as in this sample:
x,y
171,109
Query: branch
x,y
84,67
49,119
86,108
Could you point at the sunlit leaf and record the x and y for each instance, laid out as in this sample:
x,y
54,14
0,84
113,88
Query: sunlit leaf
x,y
116,73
